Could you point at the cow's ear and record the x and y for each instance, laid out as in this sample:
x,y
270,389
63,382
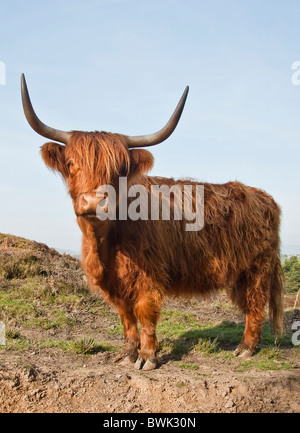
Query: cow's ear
x,y
53,155
140,160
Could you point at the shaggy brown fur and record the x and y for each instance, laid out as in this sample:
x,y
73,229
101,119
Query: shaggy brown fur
x,y
134,264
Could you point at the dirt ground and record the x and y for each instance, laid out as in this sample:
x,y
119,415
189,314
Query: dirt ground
x,y
53,380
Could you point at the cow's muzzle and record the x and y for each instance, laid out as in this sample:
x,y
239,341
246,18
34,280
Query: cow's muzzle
x,y
86,204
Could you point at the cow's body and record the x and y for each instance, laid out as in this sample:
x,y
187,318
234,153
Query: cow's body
x,y
240,232
135,264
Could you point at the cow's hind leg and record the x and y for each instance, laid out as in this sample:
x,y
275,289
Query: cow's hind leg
x,y
129,352
251,336
147,310
251,296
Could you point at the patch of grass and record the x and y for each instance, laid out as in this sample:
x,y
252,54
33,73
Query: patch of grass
x,y
271,352
181,334
188,366
264,364
26,311
56,318
269,358
174,322
36,300
227,333
83,346
15,307
206,346
212,340
88,346
225,354
17,343
183,337
52,343
117,328
268,337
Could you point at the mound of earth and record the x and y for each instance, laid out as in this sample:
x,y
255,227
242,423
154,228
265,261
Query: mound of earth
x,y
61,342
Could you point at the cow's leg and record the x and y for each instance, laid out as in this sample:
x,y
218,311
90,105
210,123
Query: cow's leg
x,y
129,352
251,336
147,310
255,301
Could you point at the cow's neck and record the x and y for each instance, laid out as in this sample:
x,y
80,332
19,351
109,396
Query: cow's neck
x,y
94,253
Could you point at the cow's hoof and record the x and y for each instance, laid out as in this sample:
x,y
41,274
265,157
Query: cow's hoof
x,y
138,364
147,366
243,354
243,351
128,360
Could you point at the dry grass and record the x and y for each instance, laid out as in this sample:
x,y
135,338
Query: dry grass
x,y
38,286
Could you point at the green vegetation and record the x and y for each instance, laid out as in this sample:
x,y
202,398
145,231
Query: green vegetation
x,y
88,346
182,334
270,358
33,302
188,366
207,346
291,269
41,288
82,346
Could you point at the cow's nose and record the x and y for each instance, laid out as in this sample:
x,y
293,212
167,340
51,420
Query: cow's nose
x,y
88,203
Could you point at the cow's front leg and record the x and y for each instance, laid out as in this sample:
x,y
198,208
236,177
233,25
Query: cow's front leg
x,y
129,352
147,311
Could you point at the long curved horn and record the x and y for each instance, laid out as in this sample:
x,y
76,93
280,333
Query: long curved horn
x,y
34,121
164,133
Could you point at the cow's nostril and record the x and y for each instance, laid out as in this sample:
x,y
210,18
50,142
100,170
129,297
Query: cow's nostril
x,y
87,204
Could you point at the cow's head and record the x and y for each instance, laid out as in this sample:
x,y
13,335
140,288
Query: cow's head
x,y
87,160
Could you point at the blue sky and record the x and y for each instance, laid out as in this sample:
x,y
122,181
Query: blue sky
x,y
121,66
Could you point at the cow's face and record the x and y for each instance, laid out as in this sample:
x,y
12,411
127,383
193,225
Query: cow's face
x,y
91,160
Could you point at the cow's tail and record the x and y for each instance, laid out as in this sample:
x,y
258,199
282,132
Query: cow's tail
x,y
276,311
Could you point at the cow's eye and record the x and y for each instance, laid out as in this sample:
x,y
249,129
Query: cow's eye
x,y
72,169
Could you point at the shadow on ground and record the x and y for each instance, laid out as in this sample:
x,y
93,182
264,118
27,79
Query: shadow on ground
x,y
223,337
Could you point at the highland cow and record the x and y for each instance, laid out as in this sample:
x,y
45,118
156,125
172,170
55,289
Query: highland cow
x,y
134,264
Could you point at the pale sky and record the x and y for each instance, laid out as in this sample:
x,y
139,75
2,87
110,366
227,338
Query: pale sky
x,y
121,66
